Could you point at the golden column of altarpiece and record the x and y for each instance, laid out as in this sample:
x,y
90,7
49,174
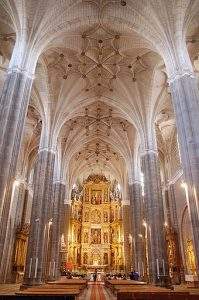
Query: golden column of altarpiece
x,y
96,231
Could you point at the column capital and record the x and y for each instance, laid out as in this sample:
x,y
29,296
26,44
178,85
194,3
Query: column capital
x,y
48,149
148,151
134,181
125,203
178,74
16,69
59,182
175,177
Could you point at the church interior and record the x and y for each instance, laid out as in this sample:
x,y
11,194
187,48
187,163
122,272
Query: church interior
x,y
99,149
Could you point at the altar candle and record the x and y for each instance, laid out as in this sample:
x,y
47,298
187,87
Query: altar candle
x,y
49,268
54,268
139,267
158,270
36,265
30,268
142,269
163,267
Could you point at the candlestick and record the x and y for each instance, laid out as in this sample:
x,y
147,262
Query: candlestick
x,y
142,269
158,270
49,268
163,267
54,268
36,265
30,268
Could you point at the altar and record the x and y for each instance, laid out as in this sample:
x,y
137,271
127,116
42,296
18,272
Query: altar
x,y
96,227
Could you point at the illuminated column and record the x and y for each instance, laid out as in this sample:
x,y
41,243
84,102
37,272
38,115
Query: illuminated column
x,y
139,255
172,231
41,220
156,243
185,98
14,103
57,220
126,230
18,198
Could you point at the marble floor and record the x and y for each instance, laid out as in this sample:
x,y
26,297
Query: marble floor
x,y
96,291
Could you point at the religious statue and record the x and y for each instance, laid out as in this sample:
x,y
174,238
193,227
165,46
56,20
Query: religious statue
x,y
86,237
96,197
105,258
96,216
112,215
93,200
86,216
96,236
79,236
85,259
112,259
99,199
87,196
105,216
106,196
78,257
191,263
105,237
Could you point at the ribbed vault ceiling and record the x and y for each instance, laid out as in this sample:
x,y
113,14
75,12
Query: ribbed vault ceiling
x,y
100,83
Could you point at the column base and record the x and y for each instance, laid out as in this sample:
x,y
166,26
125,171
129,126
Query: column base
x,y
192,281
164,281
31,283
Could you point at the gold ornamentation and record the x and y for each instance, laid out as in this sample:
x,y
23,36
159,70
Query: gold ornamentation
x,y
190,257
92,243
96,178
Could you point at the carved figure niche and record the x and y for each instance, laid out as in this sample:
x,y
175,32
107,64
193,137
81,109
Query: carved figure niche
x,y
96,236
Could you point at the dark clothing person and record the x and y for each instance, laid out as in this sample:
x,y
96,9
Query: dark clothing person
x,y
95,275
134,276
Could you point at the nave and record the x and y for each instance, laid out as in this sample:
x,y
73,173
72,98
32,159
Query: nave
x,y
99,144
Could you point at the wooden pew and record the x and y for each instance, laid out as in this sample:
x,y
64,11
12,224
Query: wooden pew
x,y
147,295
69,287
115,284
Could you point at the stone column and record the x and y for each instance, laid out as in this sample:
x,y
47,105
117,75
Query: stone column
x,y
24,210
65,227
156,243
126,228
173,222
58,214
13,108
41,220
185,98
139,259
13,224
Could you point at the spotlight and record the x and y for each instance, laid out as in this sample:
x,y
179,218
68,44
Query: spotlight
x,y
123,3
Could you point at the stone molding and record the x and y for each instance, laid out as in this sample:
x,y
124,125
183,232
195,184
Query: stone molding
x,y
179,74
134,181
175,178
59,182
125,202
20,70
148,151
47,149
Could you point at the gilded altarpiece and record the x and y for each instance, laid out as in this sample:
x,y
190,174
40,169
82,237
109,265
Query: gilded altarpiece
x,y
96,234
